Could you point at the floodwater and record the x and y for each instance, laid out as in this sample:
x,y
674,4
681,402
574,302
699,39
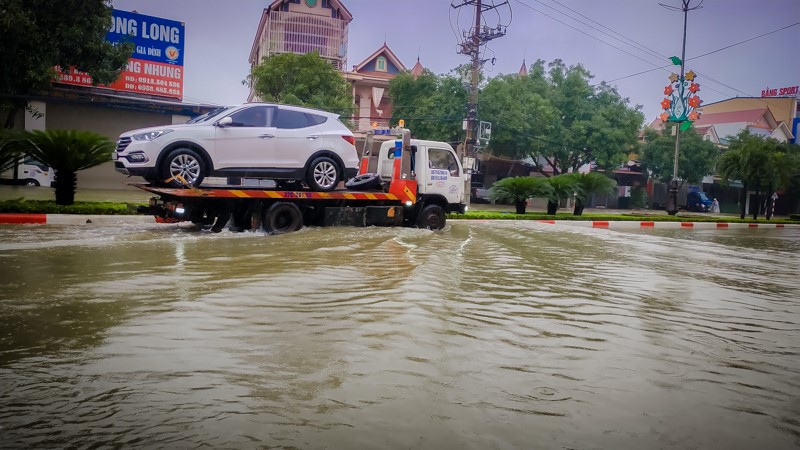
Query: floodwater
x,y
487,335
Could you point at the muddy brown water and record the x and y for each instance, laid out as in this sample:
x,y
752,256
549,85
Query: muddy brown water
x,y
487,335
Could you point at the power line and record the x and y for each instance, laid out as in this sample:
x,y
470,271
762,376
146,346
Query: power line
x,y
649,50
581,31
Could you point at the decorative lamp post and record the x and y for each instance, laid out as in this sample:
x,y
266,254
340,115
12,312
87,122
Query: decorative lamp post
x,y
680,105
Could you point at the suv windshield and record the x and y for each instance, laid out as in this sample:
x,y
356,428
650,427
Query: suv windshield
x,y
210,115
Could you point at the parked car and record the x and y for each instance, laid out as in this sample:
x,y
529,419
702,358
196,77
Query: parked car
x,y
698,201
288,144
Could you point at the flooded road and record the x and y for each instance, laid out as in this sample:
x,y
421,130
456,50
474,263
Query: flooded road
x,y
488,335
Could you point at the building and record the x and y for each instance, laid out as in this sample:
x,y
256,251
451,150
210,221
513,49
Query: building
x,y
302,26
758,121
783,109
370,81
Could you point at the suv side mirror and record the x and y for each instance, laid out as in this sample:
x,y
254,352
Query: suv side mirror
x,y
225,122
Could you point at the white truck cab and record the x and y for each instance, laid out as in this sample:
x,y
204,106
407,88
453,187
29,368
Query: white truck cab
x,y
435,167
31,172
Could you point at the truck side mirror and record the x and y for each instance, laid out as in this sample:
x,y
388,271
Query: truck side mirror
x,y
225,122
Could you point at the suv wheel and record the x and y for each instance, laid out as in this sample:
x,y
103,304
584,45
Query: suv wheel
x,y
323,174
183,167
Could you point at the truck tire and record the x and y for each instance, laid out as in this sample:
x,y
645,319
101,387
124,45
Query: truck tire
x,y
364,181
184,163
31,183
323,174
282,217
432,217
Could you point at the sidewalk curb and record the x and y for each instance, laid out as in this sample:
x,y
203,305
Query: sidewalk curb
x,y
99,219
74,219
647,224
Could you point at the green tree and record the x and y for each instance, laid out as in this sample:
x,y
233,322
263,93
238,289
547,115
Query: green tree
x,y
556,117
302,80
432,106
39,35
758,163
67,152
696,157
588,184
519,189
563,187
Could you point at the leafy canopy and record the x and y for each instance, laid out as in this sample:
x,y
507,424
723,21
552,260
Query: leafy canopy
x,y
517,189
759,161
432,106
41,34
696,157
556,117
302,80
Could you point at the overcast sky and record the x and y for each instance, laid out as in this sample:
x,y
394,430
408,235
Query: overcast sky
x,y
594,33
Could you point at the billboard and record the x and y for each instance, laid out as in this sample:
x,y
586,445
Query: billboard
x,y
156,65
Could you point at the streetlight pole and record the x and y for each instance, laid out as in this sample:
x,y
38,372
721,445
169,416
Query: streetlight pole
x,y
672,201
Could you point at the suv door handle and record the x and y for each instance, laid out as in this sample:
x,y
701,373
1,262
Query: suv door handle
x,y
312,137
266,136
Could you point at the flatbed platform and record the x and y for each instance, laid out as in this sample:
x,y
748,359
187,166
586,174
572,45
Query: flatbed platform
x,y
261,193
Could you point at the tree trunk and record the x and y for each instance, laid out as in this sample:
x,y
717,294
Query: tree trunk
x,y
552,207
578,207
743,201
520,206
65,187
757,201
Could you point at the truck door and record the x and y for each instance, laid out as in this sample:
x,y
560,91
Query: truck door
x,y
443,175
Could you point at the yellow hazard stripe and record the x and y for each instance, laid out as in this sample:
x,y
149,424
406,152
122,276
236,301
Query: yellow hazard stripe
x,y
240,194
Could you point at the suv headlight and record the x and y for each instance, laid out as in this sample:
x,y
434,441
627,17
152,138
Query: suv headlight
x,y
150,135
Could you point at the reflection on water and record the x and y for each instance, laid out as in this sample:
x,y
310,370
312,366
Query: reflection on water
x,y
486,335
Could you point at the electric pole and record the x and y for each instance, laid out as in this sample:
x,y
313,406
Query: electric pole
x,y
474,39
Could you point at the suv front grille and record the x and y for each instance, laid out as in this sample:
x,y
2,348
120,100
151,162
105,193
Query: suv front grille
x,y
123,143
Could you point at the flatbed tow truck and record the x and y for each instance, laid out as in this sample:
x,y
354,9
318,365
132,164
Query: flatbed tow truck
x,y
410,182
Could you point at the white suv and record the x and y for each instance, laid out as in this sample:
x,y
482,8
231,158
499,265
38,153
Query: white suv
x,y
288,144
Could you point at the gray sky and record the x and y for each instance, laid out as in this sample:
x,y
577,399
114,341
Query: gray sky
x,y
220,33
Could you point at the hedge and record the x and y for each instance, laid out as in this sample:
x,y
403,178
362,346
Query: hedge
x,y
49,207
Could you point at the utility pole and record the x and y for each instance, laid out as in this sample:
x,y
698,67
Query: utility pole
x,y
474,39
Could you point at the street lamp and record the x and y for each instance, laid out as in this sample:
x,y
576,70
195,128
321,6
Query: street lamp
x,y
679,106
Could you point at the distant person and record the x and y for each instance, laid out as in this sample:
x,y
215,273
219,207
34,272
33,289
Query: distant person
x,y
715,206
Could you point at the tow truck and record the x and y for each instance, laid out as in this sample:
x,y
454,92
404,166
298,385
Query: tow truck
x,y
410,182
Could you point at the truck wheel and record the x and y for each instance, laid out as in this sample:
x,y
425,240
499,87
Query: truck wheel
x,y
31,183
364,181
323,174
282,217
183,163
431,217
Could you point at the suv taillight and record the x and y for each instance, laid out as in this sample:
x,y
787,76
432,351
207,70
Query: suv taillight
x,y
350,139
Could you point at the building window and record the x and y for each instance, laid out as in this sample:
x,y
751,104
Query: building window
x,y
380,64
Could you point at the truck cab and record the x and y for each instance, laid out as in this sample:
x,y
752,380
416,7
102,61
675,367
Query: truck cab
x,y
30,172
435,167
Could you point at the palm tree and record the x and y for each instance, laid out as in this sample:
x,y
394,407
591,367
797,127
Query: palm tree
x,y
588,184
67,152
8,153
754,161
519,189
564,186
